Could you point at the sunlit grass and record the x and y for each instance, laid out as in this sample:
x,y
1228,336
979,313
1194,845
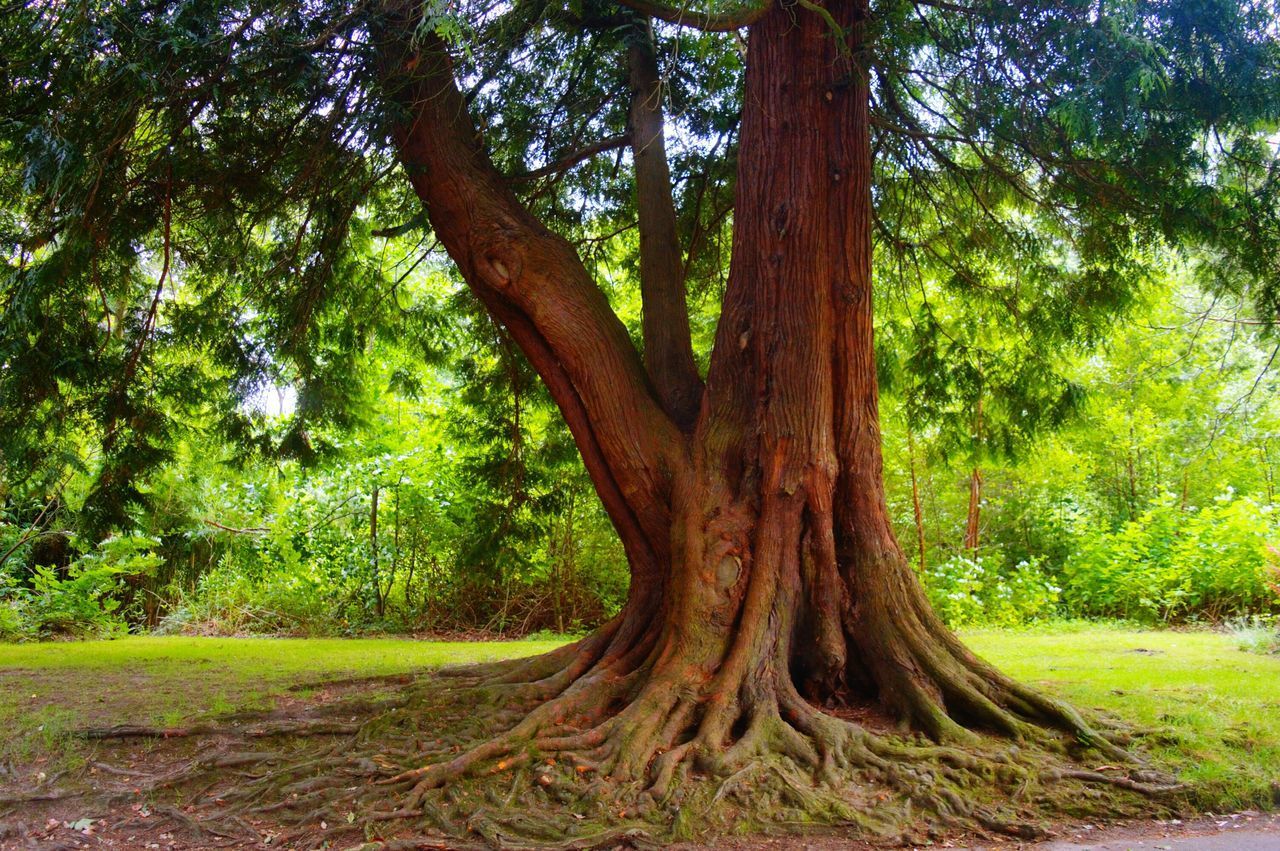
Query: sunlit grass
x,y
1213,710
55,687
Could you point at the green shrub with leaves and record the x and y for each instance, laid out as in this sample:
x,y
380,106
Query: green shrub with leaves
x,y
971,590
85,599
1173,564
13,626
229,601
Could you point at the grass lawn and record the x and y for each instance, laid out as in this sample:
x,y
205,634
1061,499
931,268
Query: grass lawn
x,y
48,690
1214,710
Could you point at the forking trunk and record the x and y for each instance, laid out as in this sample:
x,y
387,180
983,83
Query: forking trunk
x,y
766,582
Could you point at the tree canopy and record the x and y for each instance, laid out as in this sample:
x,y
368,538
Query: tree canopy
x,y
198,190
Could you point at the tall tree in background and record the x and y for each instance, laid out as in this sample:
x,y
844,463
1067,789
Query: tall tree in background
x,y
768,595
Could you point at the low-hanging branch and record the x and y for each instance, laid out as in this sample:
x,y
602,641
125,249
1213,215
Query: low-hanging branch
x,y
568,161
533,282
252,530
418,222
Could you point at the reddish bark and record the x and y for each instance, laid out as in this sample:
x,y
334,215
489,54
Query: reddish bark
x,y
764,567
973,521
668,349
917,510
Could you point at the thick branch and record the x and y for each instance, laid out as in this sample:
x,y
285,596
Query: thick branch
x,y
668,349
252,530
734,19
643,555
507,257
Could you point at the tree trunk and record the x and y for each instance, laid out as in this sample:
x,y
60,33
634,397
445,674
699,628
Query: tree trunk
x,y
767,586
668,348
973,524
373,551
917,510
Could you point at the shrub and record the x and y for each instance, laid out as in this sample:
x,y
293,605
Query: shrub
x,y
1173,564
82,601
13,627
968,591
230,601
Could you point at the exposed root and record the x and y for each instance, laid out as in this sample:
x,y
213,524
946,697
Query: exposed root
x,y
612,745
135,731
769,757
1146,782
278,727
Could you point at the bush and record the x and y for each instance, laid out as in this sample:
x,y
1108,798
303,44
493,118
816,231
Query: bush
x,y
1172,565
304,562
967,591
82,601
12,625
230,601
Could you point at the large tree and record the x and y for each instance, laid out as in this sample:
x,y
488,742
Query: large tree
x,y
1032,155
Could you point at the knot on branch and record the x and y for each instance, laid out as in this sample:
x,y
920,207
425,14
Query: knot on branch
x,y
499,262
499,271
727,572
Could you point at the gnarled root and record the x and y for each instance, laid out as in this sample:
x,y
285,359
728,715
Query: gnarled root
x,y
637,739
648,726
617,741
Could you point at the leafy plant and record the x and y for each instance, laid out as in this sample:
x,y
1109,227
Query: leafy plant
x,y
1171,564
12,625
85,599
968,591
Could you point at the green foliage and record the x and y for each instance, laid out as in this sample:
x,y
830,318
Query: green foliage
x,y
969,591
1171,563
484,519
203,203
1122,506
202,209
12,625
82,600
283,599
